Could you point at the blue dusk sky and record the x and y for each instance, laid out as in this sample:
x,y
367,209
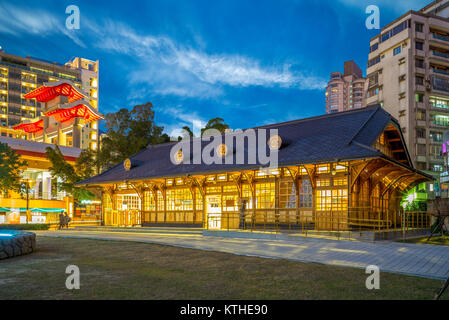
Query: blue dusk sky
x,y
248,62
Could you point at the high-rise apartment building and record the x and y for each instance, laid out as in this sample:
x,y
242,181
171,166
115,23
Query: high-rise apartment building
x,y
408,74
21,75
345,91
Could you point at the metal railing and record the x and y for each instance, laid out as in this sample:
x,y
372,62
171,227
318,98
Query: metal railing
x,y
370,225
361,222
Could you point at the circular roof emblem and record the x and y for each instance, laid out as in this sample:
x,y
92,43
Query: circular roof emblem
x,y
274,142
222,150
179,156
127,164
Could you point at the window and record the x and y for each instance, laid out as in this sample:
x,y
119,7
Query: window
x,y
149,204
392,32
421,114
419,80
421,133
419,27
265,195
397,50
374,61
419,97
419,45
419,63
340,181
287,194
437,102
440,120
436,150
323,183
179,199
436,136
374,47
437,168
439,83
323,168
305,194
421,150
335,200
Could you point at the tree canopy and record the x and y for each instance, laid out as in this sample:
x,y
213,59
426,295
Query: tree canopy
x,y
129,132
85,167
10,169
215,123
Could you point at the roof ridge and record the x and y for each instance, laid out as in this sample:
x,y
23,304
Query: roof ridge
x,y
330,115
364,124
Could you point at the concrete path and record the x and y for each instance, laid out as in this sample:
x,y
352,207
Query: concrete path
x,y
429,261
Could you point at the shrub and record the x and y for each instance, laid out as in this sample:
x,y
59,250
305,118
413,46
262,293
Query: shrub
x,y
25,226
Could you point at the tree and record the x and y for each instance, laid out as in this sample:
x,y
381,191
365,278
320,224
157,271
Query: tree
x,y
215,123
85,167
129,132
10,169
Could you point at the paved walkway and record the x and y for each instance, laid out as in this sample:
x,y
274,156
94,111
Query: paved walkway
x,y
429,261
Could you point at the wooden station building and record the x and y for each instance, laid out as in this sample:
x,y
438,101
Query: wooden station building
x,y
335,172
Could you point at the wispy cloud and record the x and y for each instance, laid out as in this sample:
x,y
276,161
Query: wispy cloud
x,y
173,69
163,66
19,20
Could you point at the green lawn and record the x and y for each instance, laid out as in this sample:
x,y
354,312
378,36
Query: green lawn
x,y
443,241
130,270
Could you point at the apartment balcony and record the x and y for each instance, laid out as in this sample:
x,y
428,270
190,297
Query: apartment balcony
x,y
28,103
421,87
442,109
439,125
372,100
421,140
436,159
421,159
439,71
420,70
439,57
29,80
436,142
439,38
421,123
440,83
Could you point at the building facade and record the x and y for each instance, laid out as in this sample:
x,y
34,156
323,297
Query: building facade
x,y
67,118
65,113
21,75
444,177
408,74
39,201
335,172
345,91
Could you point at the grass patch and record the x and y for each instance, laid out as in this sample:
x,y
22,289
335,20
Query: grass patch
x,y
438,240
131,270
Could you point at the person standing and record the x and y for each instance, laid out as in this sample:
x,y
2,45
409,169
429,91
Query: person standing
x,y
61,221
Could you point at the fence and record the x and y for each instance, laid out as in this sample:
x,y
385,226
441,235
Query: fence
x,y
339,223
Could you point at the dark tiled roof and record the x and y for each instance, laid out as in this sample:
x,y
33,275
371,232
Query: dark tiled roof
x,y
340,136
